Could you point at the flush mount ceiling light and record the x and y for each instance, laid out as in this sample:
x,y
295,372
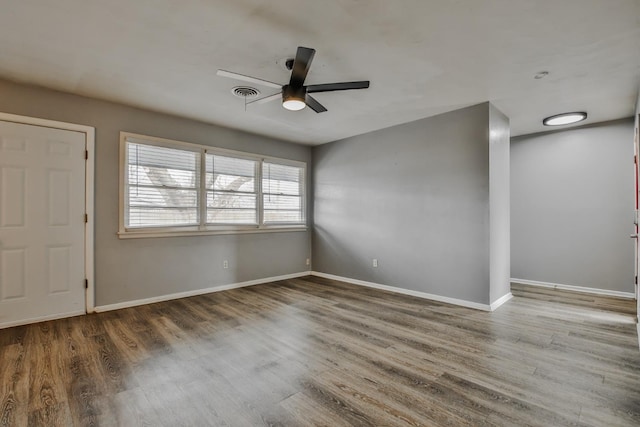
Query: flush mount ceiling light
x,y
565,119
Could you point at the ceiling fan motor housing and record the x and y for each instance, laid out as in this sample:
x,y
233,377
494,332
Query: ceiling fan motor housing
x,y
289,92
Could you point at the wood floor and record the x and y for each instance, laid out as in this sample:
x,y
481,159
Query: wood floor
x,y
312,351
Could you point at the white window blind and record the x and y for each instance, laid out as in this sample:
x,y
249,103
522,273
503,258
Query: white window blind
x,y
231,190
282,190
162,186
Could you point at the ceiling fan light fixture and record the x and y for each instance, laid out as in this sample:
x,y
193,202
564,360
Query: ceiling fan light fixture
x,y
565,119
293,104
293,98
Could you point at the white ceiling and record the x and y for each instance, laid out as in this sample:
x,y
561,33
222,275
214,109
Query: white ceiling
x,y
422,57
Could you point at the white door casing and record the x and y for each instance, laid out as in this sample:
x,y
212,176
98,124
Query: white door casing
x,y
46,248
636,150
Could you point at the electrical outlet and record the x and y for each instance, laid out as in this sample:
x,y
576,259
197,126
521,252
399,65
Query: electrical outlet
x,y
308,261
225,264
375,262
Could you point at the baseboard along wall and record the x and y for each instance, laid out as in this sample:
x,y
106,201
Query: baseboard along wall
x,y
572,288
178,295
463,303
454,301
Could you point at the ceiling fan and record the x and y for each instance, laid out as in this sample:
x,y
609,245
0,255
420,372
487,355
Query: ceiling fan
x,y
295,95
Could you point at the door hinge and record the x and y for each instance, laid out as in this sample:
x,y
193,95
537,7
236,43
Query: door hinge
x,y
86,218
636,280
86,154
86,283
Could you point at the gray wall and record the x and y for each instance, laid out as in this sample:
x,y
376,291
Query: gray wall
x,y
572,201
142,268
414,196
499,210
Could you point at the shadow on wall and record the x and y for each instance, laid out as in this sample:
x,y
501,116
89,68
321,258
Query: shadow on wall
x,y
340,255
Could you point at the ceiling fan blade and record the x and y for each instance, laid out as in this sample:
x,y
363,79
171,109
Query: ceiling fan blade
x,y
314,105
232,75
330,87
301,65
266,99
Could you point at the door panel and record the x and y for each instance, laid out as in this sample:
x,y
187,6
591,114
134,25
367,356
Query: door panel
x,y
42,206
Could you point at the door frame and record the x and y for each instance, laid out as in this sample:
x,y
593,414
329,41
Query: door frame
x,y
89,177
636,153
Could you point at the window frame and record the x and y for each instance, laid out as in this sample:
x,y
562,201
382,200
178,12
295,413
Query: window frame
x,y
203,228
301,190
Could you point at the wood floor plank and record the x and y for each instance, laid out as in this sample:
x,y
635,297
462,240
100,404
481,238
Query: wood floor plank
x,y
132,408
15,374
317,352
47,396
305,411
212,402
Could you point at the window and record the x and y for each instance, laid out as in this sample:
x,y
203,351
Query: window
x,y
282,193
176,188
162,186
231,190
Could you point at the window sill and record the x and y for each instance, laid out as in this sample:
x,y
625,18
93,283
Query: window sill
x,y
145,234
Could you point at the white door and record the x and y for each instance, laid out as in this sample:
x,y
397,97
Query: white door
x,y
42,218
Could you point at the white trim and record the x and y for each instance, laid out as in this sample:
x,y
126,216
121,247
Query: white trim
x,y
439,298
41,319
90,224
497,303
178,295
90,137
572,288
34,121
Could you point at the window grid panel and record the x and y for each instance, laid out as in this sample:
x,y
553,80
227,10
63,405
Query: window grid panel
x,y
167,177
162,186
282,216
161,197
271,186
230,200
272,202
282,187
230,173
231,216
231,190
163,157
154,217
236,183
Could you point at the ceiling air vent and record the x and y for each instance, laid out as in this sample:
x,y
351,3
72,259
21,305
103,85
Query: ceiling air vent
x,y
245,92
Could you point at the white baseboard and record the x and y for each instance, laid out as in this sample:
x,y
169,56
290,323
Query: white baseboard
x,y
572,288
161,298
439,298
497,303
41,319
